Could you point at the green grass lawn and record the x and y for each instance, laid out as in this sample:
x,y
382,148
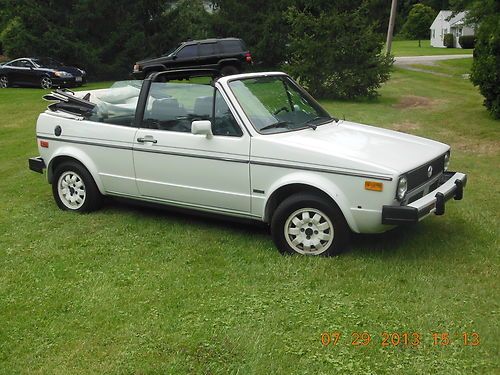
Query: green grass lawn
x,y
141,291
411,48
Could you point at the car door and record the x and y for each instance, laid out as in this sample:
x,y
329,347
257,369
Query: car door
x,y
187,56
176,166
31,73
209,54
18,72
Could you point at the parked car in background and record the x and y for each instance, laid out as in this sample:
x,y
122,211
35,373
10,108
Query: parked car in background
x,y
228,55
43,72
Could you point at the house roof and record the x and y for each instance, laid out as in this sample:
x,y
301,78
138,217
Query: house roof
x,y
443,15
458,19
449,18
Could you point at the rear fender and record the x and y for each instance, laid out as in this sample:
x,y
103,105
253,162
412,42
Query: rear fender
x,y
70,152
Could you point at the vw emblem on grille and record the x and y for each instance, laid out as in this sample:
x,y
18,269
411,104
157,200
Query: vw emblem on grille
x,y
429,171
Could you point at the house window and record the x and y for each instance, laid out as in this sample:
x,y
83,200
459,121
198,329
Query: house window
x,y
433,33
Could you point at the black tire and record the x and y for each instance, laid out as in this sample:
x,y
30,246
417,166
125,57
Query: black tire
x,y
312,233
229,70
4,81
74,173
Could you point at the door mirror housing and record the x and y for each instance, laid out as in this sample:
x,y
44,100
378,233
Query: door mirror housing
x,y
203,127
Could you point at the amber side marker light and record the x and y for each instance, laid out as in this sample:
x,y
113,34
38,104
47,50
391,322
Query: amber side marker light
x,y
375,186
44,144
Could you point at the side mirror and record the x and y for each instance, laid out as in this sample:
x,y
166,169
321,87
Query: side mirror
x,y
203,127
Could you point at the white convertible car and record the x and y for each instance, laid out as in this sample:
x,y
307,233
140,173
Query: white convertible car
x,y
255,146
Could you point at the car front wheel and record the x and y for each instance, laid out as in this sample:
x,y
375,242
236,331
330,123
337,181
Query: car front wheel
x,y
4,82
46,83
74,188
308,224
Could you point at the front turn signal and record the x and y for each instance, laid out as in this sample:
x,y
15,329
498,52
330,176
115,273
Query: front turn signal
x,y
375,186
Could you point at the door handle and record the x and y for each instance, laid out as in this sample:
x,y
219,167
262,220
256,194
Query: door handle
x,y
147,139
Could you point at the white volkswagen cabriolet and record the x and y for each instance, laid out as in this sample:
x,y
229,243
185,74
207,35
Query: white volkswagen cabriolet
x,y
253,146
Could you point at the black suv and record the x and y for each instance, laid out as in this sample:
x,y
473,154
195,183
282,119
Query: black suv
x,y
228,55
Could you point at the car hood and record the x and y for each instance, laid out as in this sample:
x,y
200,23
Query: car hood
x,y
153,60
349,146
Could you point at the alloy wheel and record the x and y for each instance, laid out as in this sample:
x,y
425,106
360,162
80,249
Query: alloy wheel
x,y
4,82
46,83
71,190
309,231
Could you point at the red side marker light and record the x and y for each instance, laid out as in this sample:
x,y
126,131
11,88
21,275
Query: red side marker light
x,y
44,144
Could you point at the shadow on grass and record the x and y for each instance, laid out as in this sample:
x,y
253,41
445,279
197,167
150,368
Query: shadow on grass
x,y
152,210
434,236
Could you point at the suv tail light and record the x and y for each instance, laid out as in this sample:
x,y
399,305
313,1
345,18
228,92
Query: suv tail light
x,y
137,68
248,57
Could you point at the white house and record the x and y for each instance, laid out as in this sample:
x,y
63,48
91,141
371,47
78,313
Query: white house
x,y
446,24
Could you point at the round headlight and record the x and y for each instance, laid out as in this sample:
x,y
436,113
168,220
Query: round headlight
x,y
446,161
402,188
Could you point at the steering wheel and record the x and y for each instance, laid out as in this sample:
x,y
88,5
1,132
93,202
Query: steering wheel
x,y
281,110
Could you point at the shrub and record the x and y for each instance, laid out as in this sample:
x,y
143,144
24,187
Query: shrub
x,y
448,40
485,68
336,54
467,41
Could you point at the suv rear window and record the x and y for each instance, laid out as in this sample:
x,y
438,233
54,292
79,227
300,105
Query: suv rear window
x,y
230,46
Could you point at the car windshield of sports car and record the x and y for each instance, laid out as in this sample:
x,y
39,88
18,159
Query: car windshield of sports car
x,y
47,62
275,104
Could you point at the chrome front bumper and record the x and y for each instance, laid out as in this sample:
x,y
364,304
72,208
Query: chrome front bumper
x,y
434,202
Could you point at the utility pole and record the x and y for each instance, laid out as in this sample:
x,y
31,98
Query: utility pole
x,y
390,29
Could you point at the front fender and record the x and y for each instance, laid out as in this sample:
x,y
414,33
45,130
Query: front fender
x,y
69,151
320,182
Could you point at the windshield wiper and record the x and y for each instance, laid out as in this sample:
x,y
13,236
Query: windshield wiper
x,y
311,123
279,124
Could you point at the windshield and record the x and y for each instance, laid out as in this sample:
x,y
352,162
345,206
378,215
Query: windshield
x,y
47,62
171,51
276,104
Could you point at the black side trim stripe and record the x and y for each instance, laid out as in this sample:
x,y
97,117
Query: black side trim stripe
x,y
193,155
314,169
232,160
85,143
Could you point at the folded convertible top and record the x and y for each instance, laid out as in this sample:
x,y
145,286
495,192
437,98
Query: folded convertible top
x,y
66,101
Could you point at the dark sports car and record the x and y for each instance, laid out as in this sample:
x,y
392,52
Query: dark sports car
x,y
42,72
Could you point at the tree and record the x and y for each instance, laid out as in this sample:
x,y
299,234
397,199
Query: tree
x,y
485,15
335,51
418,22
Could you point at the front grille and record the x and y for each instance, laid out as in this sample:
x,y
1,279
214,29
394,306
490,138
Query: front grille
x,y
418,176
415,197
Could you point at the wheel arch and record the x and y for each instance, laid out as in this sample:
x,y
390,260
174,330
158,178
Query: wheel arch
x,y
82,159
325,189
233,62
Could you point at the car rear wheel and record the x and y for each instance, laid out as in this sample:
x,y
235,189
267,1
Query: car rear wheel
x,y
46,83
74,188
308,224
229,70
4,82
